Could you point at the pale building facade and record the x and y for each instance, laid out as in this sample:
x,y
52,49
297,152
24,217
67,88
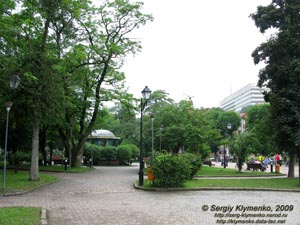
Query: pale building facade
x,y
246,96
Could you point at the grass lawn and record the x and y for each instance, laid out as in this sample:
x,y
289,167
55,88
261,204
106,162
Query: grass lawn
x,y
59,168
218,171
274,183
20,216
277,183
53,168
237,182
16,182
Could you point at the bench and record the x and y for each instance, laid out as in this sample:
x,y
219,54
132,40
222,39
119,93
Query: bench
x,y
208,162
255,166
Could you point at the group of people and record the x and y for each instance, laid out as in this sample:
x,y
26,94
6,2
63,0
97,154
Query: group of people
x,y
276,160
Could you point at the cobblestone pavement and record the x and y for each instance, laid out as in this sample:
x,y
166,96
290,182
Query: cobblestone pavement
x,y
107,196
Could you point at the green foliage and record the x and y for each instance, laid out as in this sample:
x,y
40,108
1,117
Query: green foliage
x,y
178,125
170,170
244,144
228,117
280,75
219,119
19,156
194,161
124,153
90,149
135,152
109,152
259,124
204,151
66,53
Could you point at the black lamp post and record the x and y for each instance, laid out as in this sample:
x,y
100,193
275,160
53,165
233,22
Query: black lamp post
x,y
299,165
152,134
8,105
160,138
13,83
228,127
146,95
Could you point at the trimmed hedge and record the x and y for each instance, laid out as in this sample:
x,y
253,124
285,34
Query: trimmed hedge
x,y
109,152
173,170
123,153
170,170
89,148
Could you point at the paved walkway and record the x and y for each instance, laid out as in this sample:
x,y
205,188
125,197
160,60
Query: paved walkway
x,y
106,196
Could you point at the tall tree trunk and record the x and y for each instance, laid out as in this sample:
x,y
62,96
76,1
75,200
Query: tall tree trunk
x,y
42,143
79,149
51,153
34,167
291,172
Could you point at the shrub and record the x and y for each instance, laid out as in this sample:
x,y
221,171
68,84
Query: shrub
x,y
170,170
135,151
18,157
109,152
194,161
88,149
124,153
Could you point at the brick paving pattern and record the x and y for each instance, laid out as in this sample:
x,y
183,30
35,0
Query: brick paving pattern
x,y
107,196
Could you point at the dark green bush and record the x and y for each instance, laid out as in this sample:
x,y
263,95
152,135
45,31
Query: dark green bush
x,y
135,151
170,170
124,153
90,149
194,161
21,156
18,157
109,152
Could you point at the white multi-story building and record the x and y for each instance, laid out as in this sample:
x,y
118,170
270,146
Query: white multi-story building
x,y
246,96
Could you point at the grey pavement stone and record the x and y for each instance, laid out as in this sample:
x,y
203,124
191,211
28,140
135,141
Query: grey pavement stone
x,y
107,196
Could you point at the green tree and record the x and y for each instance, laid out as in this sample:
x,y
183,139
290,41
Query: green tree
x,y
258,123
27,52
244,144
178,126
281,73
103,44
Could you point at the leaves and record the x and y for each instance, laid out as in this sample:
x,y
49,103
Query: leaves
x,y
281,73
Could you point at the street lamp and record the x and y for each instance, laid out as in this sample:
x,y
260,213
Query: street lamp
x,y
152,136
224,161
160,139
14,82
299,165
146,95
8,105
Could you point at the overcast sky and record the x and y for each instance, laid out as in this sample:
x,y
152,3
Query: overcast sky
x,y
198,48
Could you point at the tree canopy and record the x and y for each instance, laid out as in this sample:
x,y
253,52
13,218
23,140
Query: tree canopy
x,y
281,74
68,56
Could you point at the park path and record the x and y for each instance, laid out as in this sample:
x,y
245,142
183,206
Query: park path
x,y
107,196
